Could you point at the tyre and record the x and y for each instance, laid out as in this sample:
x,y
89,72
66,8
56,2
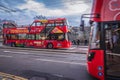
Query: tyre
x,y
50,46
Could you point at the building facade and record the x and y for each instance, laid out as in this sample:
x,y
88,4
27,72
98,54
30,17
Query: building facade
x,y
78,34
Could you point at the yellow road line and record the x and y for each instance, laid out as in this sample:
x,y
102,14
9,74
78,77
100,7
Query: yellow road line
x,y
11,76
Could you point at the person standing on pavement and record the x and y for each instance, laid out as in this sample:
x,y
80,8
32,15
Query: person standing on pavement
x,y
78,42
74,42
85,42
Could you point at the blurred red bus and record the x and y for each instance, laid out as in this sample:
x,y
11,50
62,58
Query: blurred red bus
x,y
103,58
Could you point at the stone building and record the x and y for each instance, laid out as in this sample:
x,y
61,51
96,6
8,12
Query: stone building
x,y
77,33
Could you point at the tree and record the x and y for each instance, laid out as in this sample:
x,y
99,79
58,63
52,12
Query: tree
x,y
40,17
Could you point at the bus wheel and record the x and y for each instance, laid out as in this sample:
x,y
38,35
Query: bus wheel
x,y
13,45
50,46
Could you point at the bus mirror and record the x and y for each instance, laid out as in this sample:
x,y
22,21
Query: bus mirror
x,y
90,22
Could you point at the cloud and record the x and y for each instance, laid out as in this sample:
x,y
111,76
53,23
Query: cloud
x,y
40,8
68,9
75,7
27,9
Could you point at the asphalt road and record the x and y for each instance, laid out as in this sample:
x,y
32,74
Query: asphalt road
x,y
44,65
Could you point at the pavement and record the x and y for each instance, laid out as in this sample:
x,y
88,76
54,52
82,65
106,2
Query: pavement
x,y
79,49
74,49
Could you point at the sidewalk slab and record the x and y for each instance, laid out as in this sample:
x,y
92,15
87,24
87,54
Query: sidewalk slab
x,y
78,50
80,46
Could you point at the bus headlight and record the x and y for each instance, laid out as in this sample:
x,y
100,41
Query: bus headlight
x,y
91,56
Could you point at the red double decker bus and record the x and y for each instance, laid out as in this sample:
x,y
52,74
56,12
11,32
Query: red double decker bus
x,y
103,58
51,33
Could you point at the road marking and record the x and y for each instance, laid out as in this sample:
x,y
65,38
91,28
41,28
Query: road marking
x,y
50,55
16,52
6,51
29,52
5,76
83,49
5,56
72,48
47,60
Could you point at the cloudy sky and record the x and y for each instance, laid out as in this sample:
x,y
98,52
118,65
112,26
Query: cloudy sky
x,y
24,11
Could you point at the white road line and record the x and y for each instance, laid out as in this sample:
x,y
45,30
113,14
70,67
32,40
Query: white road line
x,y
51,55
16,52
72,48
29,52
6,51
83,49
5,56
47,60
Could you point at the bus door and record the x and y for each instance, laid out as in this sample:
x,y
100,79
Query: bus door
x,y
112,44
95,56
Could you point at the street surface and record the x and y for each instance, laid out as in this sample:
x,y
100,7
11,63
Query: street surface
x,y
44,65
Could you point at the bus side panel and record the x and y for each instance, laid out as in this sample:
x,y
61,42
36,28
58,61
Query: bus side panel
x,y
64,44
96,65
9,42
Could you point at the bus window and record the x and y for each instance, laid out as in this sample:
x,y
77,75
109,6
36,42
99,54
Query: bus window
x,y
65,23
61,36
22,36
53,37
8,37
112,37
33,24
50,24
43,36
59,24
69,36
40,36
95,36
31,36
38,23
9,25
12,36
112,43
57,36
